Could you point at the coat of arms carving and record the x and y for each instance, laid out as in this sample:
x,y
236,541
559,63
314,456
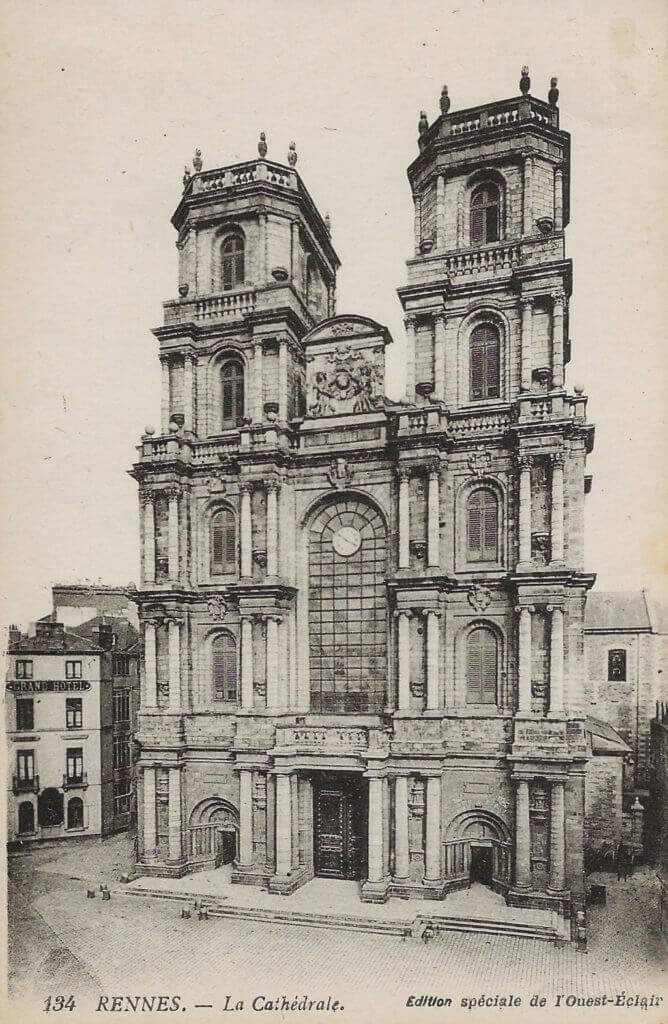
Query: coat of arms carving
x,y
217,608
339,473
479,597
480,462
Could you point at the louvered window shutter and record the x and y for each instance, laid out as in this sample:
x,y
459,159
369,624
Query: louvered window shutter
x,y
230,543
489,659
477,370
492,366
223,542
490,526
225,668
477,226
474,527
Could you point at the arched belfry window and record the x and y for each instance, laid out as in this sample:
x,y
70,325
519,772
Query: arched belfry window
x,y
482,526
232,385
485,214
223,542
232,258
348,609
482,666
224,663
485,363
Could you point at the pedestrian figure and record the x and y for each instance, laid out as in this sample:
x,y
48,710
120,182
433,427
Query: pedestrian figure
x,y
623,860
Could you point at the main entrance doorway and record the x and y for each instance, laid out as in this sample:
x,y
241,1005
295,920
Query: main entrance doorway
x,y
339,825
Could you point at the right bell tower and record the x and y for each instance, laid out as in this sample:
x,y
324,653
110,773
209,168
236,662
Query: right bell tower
x,y
487,332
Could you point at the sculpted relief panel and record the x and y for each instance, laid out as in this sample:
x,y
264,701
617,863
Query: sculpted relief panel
x,y
345,378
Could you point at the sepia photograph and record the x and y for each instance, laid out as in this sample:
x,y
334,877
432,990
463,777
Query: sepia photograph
x,y
334,594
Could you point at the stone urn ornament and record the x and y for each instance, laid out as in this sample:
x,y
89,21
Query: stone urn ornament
x,y
525,81
292,154
553,94
262,146
445,100
423,123
186,175
197,160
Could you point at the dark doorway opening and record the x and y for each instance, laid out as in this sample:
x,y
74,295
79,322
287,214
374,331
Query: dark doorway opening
x,y
482,864
227,847
340,825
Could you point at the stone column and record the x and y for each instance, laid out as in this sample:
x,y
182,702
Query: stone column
x,y
283,825
401,859
524,659
272,527
150,667
148,503
522,836
417,221
245,857
284,634
403,660
440,211
558,199
527,214
273,682
433,658
557,836
294,253
432,854
258,396
558,303
164,394
247,662
433,518
525,464
246,534
557,511
439,356
174,647
556,660
188,392
404,517
150,815
283,379
262,249
375,853
173,492
409,322
526,354
175,848
294,807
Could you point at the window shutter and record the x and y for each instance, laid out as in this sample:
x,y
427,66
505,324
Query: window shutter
x,y
490,526
217,542
477,226
474,526
481,667
492,366
489,658
477,370
225,668
473,668
230,556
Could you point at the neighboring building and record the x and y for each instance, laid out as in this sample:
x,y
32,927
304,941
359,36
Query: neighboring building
x,y
625,656
605,822
657,812
71,706
363,620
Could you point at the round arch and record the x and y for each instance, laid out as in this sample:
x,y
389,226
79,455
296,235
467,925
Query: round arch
x,y
461,639
478,824
464,491
226,354
214,810
213,831
479,317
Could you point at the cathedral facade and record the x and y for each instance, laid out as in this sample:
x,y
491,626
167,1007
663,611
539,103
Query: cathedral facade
x,y
363,619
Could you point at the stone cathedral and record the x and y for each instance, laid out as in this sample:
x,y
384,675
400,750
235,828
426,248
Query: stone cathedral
x,y
363,618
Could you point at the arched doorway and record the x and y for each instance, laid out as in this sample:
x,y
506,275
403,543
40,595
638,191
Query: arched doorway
x,y
50,808
213,833
478,849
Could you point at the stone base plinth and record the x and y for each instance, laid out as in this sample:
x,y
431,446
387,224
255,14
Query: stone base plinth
x,y
283,885
375,892
162,869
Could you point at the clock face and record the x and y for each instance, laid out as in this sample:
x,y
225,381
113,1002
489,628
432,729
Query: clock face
x,y
346,541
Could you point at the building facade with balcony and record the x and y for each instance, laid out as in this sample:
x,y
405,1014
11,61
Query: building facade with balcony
x,y
71,706
363,619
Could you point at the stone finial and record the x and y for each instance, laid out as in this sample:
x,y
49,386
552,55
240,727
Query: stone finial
x,y
328,223
445,100
292,154
423,123
186,175
197,160
553,94
525,81
262,145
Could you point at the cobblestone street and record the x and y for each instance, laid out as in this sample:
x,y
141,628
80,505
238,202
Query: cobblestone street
x,y
62,943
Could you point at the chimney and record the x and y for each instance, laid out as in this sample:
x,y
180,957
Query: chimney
x,y
14,634
52,631
105,636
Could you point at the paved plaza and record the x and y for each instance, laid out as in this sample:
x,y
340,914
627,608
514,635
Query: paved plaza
x,y
62,943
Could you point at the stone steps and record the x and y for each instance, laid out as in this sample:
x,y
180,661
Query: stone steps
x,y
351,922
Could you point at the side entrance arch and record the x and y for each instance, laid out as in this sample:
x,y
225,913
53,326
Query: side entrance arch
x,y
478,849
213,833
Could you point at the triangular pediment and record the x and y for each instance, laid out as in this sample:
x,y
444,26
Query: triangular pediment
x,y
345,326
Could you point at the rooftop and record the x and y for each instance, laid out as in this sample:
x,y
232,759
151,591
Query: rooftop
x,y
625,610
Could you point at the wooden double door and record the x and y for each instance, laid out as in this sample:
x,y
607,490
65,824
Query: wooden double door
x,y
340,825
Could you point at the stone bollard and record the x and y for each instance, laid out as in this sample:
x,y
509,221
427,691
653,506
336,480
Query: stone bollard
x,y
90,894
106,895
185,913
203,914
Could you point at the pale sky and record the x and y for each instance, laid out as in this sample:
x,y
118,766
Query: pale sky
x,y
104,103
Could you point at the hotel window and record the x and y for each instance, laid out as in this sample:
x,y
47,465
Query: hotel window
x,y
482,526
121,665
73,670
121,750
25,765
121,705
25,715
485,363
617,666
24,669
223,542
74,764
224,655
73,712
482,662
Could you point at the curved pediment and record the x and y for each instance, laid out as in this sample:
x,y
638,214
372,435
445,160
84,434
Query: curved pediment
x,y
346,326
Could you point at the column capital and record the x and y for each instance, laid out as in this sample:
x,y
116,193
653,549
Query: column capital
x,y
272,484
530,608
146,495
246,487
526,302
274,618
439,317
552,608
403,473
172,620
408,612
165,358
558,297
410,320
557,459
173,491
258,345
432,611
153,621
524,461
189,357
433,468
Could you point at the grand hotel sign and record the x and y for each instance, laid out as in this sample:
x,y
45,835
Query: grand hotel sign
x,y
48,686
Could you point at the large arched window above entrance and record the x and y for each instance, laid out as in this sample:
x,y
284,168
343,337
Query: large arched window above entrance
x,y
232,262
232,387
485,222
485,363
348,609
482,666
482,526
224,664
223,542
